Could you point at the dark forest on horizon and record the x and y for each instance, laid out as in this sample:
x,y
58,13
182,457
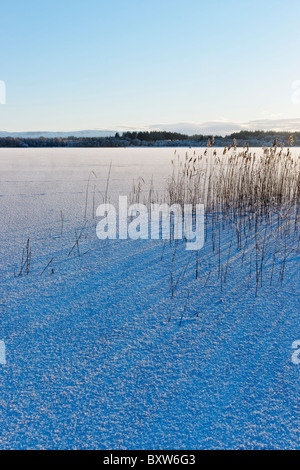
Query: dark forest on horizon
x,y
157,139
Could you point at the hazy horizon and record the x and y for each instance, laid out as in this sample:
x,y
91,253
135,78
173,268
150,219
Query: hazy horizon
x,y
207,128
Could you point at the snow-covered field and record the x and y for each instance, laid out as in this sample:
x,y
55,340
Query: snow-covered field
x,y
101,355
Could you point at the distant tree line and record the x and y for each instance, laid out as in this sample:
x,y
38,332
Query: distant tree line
x,y
156,139
153,136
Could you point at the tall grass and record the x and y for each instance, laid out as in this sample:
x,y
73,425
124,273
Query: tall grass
x,y
253,198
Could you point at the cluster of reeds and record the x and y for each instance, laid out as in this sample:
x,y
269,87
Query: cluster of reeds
x,y
241,181
251,199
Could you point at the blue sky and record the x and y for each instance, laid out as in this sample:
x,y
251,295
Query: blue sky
x,y
71,65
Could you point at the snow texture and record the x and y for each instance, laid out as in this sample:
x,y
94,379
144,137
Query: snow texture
x,y
99,355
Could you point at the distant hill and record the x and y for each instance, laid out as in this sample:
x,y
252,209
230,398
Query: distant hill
x,y
221,128
49,135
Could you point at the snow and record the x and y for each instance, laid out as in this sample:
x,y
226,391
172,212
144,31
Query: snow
x,y
99,355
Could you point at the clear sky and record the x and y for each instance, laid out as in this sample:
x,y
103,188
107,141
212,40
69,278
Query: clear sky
x,y
71,65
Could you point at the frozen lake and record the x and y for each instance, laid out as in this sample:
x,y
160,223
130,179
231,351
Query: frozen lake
x,y
94,351
37,184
